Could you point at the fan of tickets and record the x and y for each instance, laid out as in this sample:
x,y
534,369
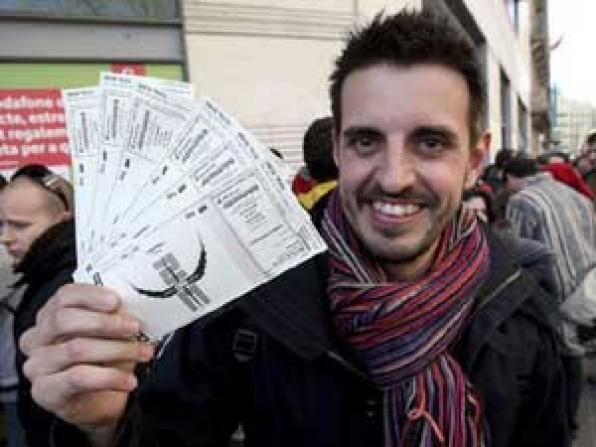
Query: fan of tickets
x,y
178,207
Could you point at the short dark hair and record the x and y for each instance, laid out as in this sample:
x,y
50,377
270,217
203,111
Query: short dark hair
x,y
521,167
408,38
503,156
317,147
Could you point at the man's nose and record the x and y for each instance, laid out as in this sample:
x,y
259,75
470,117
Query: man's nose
x,y
397,170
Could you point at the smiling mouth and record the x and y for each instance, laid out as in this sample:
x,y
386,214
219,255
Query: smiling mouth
x,y
395,210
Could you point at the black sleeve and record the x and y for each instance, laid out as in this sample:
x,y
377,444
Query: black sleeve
x,y
521,379
542,418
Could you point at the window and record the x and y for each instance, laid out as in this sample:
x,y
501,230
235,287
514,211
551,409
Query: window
x,y
522,128
121,9
505,112
513,12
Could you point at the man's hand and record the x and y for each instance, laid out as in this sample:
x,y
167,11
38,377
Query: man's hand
x,y
81,356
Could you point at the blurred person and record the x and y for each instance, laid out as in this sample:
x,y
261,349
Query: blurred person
x,y
37,231
317,148
417,328
482,202
9,300
551,212
586,162
553,157
589,143
565,173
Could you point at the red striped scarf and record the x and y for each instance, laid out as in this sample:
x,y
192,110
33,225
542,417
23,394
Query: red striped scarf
x,y
402,331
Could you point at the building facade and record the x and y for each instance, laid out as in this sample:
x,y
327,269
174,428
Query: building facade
x,y
573,120
267,62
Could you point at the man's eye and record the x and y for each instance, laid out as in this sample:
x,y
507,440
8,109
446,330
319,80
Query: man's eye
x,y
363,144
17,225
431,143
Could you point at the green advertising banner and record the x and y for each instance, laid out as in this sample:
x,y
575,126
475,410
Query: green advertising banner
x,y
71,75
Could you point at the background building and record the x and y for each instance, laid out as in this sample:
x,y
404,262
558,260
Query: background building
x,y
573,120
267,62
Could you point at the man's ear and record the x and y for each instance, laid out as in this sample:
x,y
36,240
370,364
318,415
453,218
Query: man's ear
x,y
477,157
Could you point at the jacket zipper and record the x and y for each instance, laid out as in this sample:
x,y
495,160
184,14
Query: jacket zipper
x,y
512,278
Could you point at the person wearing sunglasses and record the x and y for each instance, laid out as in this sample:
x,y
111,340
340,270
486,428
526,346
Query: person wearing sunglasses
x,y
37,230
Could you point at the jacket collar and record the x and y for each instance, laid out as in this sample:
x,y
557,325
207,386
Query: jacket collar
x,y
293,307
48,254
495,303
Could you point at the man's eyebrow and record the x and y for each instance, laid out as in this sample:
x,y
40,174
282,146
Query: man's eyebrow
x,y
438,130
360,130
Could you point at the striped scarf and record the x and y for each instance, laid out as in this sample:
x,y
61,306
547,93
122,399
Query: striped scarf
x,y
402,331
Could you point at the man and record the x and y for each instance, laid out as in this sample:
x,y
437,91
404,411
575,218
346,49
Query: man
x,y
317,149
9,299
415,329
562,218
586,162
37,232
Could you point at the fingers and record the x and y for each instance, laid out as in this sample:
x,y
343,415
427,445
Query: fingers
x,y
100,299
55,391
79,310
73,322
54,358
81,355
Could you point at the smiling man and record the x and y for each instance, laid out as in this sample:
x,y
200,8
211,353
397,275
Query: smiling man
x,y
405,155
418,327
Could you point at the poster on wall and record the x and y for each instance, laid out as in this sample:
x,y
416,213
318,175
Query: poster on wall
x,y
32,128
32,122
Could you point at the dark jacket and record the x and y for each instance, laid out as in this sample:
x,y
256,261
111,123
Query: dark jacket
x,y
47,266
271,361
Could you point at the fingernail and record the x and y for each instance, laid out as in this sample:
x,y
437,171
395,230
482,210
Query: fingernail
x,y
146,351
131,382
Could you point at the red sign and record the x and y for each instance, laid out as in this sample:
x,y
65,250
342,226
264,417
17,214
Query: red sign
x,y
32,128
130,69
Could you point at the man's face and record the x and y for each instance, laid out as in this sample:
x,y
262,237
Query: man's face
x,y
26,211
478,204
514,184
404,158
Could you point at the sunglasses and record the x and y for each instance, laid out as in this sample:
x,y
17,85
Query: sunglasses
x,y
50,183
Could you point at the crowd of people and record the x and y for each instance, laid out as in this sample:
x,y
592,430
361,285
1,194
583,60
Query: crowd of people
x,y
443,313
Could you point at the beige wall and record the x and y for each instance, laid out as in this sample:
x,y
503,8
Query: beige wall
x,y
267,62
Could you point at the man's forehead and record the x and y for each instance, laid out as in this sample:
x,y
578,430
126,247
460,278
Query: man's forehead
x,y
421,94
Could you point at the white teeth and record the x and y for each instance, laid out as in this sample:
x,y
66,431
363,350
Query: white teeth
x,y
394,209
